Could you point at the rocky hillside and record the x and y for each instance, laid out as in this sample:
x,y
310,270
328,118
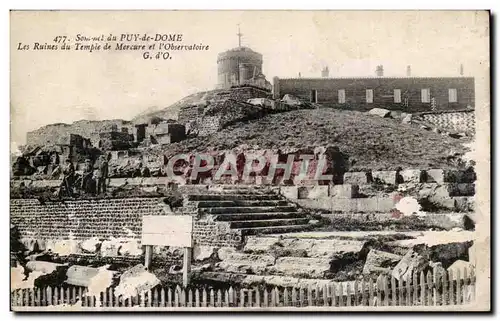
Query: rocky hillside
x,y
371,142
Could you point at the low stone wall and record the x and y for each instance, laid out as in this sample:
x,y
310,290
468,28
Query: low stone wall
x,y
104,227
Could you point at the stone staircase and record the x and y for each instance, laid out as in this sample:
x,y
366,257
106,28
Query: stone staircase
x,y
253,210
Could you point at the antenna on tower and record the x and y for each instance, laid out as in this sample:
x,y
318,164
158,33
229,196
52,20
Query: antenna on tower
x,y
239,34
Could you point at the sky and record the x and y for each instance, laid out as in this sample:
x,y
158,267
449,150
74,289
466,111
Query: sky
x,y
63,87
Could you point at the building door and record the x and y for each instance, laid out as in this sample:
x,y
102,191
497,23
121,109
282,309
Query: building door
x,y
314,96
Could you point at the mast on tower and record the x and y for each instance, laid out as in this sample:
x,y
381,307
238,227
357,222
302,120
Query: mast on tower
x,y
239,34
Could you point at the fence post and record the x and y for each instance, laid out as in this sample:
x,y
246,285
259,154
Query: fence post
x,y
459,293
38,298
27,297
204,301
444,282
394,296
401,290
183,297
301,296
356,292
466,286
325,295
250,297
451,292
162,297
197,297
219,298
408,289
190,298
415,288
429,288
386,291
334,295
435,281
285,297
266,299
212,298
473,282
348,294
309,295
73,300
422,289
229,297
49,295
257,297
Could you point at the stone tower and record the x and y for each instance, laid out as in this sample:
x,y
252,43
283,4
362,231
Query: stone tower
x,y
238,66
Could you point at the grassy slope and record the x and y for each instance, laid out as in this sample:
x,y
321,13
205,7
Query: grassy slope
x,y
370,141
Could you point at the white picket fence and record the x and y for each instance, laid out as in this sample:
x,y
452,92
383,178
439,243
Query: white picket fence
x,y
418,290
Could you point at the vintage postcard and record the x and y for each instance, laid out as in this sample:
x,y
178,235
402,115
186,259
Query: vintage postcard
x,y
250,160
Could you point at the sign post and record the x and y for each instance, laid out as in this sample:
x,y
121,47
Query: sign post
x,y
169,230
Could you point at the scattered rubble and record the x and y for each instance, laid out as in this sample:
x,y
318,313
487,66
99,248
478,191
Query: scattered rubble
x,y
135,281
380,262
381,112
412,262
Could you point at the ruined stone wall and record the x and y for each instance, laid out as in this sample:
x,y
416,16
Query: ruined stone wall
x,y
54,133
75,227
83,219
461,120
191,112
206,232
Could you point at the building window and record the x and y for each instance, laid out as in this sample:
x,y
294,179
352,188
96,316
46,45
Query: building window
x,y
397,96
341,96
452,95
369,96
314,96
426,95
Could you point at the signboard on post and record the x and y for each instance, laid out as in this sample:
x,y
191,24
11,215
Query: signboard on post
x,y
170,230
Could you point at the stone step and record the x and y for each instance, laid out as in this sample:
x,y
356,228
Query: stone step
x,y
232,197
268,223
257,216
246,209
274,229
204,204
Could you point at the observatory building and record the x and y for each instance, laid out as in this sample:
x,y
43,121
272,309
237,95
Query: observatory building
x,y
240,66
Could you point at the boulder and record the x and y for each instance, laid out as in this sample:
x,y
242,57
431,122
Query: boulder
x,y
224,252
135,281
257,244
302,266
381,112
41,266
90,245
201,252
407,119
80,275
63,247
380,261
130,248
385,177
411,175
110,248
245,263
412,262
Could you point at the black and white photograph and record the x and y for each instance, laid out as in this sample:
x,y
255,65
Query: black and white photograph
x,y
249,160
